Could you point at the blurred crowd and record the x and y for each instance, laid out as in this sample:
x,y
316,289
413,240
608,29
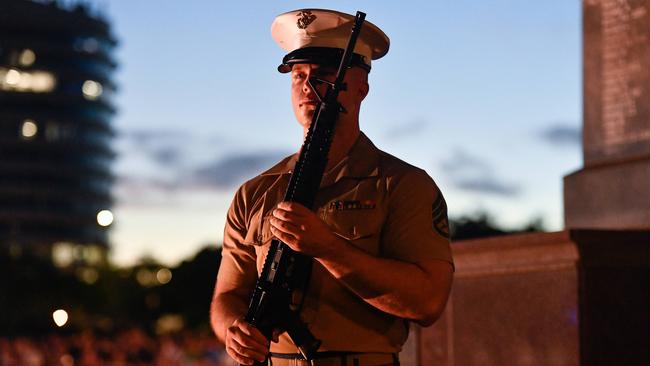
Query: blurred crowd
x,y
128,348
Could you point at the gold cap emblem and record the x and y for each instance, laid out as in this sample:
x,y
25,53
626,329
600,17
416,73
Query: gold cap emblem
x,y
306,18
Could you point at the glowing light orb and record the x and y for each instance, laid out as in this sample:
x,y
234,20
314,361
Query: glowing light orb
x,y
60,317
164,275
43,81
27,57
92,89
105,218
12,77
29,128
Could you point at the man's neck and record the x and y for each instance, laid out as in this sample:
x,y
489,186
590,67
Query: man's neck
x,y
344,139
341,146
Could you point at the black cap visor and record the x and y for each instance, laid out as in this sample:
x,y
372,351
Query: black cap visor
x,y
321,56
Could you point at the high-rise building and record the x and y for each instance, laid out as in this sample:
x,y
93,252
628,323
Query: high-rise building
x,y
56,68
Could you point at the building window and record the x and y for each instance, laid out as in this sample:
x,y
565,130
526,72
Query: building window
x,y
26,81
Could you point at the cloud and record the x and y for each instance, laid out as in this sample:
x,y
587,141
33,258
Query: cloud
x,y
152,136
406,130
159,167
145,191
166,155
461,161
473,174
167,148
487,184
232,170
222,174
562,135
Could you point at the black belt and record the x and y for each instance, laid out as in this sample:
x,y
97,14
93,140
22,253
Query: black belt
x,y
318,355
327,354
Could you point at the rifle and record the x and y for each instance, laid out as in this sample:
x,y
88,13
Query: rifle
x,y
284,269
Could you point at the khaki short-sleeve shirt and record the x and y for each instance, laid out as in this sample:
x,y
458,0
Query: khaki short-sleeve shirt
x,y
373,200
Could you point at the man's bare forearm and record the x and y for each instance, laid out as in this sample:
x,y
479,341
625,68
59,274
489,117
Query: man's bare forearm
x,y
407,290
224,310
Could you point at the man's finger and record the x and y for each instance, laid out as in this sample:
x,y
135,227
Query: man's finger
x,y
239,359
249,342
286,226
276,335
286,215
248,350
294,207
286,238
254,333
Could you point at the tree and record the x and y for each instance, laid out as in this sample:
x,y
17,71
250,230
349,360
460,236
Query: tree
x,y
481,225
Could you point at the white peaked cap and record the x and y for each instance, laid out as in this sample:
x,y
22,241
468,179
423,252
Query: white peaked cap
x,y
309,28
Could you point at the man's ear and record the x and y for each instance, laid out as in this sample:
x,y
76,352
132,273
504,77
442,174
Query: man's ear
x,y
363,90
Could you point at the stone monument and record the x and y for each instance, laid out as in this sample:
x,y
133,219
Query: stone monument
x,y
580,296
612,190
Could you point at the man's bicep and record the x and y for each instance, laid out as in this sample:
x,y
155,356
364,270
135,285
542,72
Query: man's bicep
x,y
236,275
238,257
416,226
237,270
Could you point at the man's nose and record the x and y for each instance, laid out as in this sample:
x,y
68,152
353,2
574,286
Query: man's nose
x,y
308,90
305,87
318,86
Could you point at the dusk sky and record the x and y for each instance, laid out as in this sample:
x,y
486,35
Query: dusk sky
x,y
485,96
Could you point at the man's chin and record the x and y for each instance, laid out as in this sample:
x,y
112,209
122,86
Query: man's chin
x,y
307,117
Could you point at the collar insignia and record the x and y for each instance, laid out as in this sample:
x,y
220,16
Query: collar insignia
x,y
306,18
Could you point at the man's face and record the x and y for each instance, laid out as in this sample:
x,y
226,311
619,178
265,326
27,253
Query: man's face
x,y
304,100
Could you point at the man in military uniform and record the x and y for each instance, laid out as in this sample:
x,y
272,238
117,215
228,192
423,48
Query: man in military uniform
x,y
378,235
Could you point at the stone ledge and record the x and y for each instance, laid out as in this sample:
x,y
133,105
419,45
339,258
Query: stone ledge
x,y
510,254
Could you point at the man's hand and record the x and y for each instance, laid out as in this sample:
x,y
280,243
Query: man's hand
x,y
245,343
302,230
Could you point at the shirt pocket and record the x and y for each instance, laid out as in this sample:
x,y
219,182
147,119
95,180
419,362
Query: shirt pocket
x,y
266,235
259,233
359,227
260,227
253,231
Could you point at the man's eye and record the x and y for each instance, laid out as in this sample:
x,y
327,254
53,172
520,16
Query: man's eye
x,y
299,76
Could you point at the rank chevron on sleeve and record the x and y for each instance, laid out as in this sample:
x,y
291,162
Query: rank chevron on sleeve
x,y
439,213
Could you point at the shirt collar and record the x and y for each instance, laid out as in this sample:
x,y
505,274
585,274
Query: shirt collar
x,y
361,162
285,166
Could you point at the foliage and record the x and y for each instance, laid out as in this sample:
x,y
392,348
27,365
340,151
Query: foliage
x,y
31,288
481,225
